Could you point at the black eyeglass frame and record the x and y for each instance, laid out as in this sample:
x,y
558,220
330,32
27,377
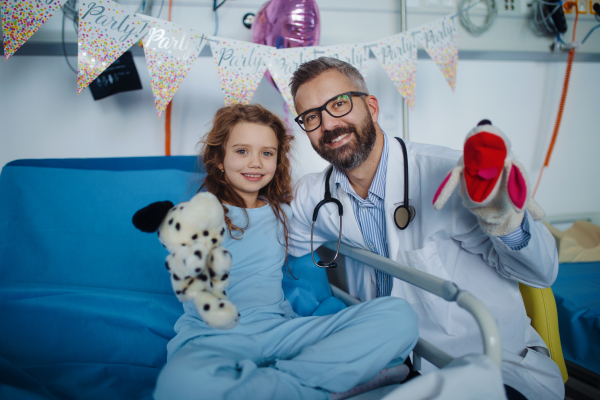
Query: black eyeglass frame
x,y
324,107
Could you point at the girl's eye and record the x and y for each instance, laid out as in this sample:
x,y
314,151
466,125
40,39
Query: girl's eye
x,y
267,153
241,151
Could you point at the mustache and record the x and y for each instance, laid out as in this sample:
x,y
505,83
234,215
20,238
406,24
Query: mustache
x,y
328,136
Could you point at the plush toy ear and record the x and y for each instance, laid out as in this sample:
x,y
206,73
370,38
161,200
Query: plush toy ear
x,y
149,218
447,187
517,187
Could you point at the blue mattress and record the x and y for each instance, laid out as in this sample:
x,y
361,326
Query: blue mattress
x,y
577,293
86,305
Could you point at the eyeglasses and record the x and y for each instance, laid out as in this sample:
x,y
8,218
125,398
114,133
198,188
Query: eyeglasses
x,y
337,107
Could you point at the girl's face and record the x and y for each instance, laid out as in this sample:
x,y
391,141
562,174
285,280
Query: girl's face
x,y
250,160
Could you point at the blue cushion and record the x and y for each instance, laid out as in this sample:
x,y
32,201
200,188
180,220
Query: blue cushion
x,y
577,293
85,301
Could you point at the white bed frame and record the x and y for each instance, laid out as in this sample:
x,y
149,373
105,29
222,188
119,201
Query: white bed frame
x,y
437,286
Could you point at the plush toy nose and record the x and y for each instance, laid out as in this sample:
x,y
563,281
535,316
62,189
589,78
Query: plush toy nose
x,y
484,122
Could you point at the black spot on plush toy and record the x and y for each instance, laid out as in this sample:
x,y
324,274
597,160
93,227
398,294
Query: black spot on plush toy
x,y
192,232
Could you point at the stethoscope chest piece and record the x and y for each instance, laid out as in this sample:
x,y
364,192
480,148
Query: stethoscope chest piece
x,y
403,215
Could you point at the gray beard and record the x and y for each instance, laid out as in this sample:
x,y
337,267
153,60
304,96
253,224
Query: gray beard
x,y
353,154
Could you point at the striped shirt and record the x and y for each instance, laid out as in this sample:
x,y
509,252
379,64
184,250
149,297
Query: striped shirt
x,y
370,215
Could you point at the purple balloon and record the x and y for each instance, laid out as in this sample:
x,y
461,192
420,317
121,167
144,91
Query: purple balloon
x,y
287,23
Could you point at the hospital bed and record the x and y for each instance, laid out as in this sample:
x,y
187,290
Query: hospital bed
x,y
86,307
577,293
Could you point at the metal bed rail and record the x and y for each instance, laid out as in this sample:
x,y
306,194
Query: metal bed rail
x,y
434,285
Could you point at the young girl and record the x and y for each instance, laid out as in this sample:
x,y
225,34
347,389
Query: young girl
x,y
272,353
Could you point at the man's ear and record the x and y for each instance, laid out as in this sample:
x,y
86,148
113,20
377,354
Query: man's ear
x,y
373,107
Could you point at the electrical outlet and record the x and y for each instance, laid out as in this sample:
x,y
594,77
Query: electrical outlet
x,y
582,6
592,2
509,5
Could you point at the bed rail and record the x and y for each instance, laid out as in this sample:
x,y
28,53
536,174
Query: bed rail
x,y
437,286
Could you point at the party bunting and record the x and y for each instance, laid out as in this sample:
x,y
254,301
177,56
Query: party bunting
x,y
170,53
106,31
355,54
241,66
439,40
22,18
284,62
398,56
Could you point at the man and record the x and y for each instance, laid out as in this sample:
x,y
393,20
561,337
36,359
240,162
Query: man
x,y
340,119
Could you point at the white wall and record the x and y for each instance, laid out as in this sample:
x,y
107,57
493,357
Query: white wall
x,y
42,116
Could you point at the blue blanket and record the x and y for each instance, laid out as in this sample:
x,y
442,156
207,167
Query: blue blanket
x,y
85,301
577,293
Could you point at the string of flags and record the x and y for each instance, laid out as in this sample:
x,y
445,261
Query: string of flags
x,y
106,31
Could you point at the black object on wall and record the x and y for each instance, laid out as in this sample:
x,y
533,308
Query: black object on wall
x,y
120,76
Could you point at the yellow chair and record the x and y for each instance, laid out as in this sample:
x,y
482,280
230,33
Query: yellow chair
x,y
541,308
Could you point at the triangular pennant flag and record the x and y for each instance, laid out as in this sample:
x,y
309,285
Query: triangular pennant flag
x,y
284,62
241,66
439,40
355,54
170,50
22,18
398,56
106,31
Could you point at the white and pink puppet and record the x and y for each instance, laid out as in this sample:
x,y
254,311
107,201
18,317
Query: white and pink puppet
x,y
493,185
192,232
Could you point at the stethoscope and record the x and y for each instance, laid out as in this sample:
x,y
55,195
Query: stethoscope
x,y
403,214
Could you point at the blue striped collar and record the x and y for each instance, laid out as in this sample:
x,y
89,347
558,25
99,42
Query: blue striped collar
x,y
377,187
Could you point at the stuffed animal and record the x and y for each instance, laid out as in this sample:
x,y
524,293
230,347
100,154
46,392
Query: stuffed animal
x,y
493,185
192,232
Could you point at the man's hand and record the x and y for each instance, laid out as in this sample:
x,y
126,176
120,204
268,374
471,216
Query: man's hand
x,y
493,185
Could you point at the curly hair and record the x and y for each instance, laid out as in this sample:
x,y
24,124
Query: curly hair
x,y
278,191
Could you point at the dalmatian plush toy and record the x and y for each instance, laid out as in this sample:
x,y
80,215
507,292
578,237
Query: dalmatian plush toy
x,y
192,232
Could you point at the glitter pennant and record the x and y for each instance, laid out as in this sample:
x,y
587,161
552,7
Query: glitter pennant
x,y
398,56
355,54
106,31
22,18
439,40
241,66
284,62
170,51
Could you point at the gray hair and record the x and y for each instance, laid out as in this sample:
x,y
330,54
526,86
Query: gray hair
x,y
311,69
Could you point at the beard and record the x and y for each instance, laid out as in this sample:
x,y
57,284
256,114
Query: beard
x,y
352,154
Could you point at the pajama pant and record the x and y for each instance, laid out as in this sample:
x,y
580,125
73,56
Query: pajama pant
x,y
300,358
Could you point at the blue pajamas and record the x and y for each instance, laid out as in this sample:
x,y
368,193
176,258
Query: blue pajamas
x,y
272,353
295,358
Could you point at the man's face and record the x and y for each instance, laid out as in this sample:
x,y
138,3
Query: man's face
x,y
345,142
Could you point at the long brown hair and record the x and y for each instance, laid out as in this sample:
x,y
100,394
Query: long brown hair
x,y
276,192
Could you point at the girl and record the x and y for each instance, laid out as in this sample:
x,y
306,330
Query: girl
x,y
272,353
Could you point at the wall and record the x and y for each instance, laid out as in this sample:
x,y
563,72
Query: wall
x,y
42,116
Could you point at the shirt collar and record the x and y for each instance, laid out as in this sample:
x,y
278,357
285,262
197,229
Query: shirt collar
x,y
377,187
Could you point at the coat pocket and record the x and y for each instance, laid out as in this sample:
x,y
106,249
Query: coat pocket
x,y
425,259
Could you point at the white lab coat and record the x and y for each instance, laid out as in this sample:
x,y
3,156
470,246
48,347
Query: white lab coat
x,y
449,244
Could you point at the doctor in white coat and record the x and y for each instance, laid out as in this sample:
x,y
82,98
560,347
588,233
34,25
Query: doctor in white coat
x,y
368,180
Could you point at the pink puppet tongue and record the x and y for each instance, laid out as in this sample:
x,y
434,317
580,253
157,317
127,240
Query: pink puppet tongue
x,y
488,173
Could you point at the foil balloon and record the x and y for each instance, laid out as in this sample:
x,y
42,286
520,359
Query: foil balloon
x,y
287,23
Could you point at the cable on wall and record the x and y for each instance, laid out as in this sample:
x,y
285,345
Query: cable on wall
x,y
465,20
563,98
168,113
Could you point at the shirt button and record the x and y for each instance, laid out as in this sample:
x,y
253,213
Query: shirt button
x,y
372,247
385,278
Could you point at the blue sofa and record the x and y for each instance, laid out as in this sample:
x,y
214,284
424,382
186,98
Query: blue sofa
x,y
86,306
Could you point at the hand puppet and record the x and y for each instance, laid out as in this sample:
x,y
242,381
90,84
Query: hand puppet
x,y
192,232
493,184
